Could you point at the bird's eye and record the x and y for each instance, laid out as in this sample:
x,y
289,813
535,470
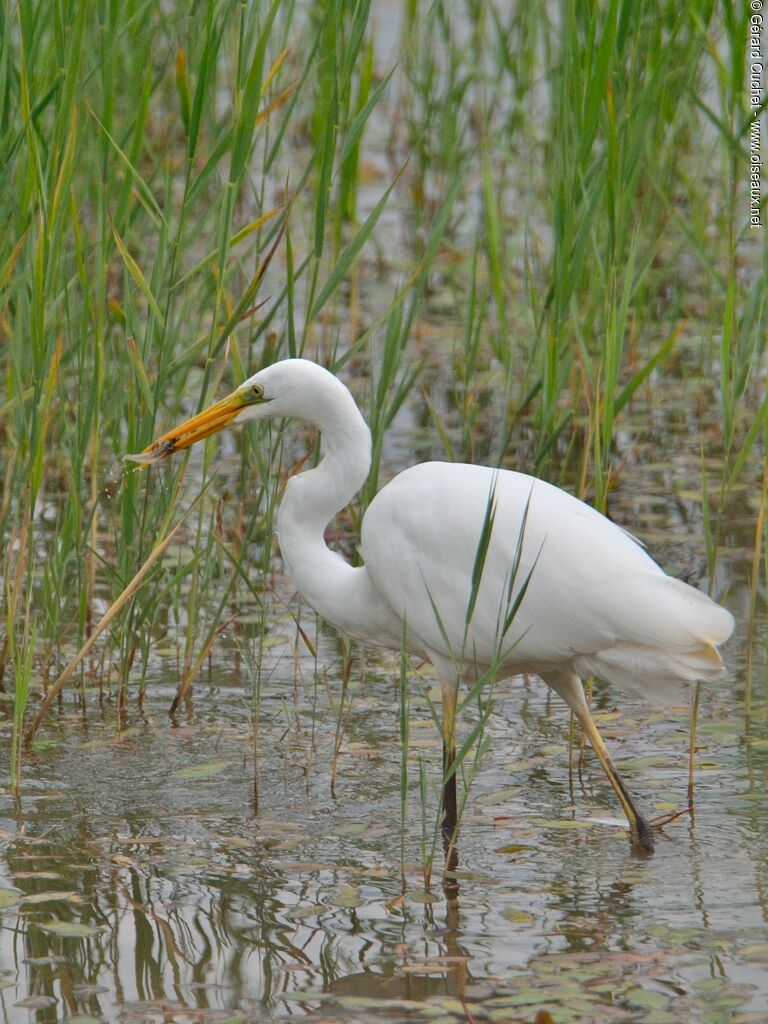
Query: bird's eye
x,y
252,393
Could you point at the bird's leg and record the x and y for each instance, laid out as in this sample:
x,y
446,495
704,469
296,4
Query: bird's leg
x,y
450,881
570,689
450,691
640,830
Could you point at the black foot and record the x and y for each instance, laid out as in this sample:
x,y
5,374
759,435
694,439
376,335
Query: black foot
x,y
450,881
642,835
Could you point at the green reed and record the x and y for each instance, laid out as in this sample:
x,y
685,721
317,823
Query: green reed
x,y
556,219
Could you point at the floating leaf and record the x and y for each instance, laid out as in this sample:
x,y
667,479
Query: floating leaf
x,y
134,730
48,897
369,1003
36,1002
348,898
523,997
305,996
54,875
652,761
524,764
646,997
311,910
420,896
424,742
517,915
710,984
9,897
46,744
70,929
564,823
500,797
201,771
757,953
288,844
355,829
725,730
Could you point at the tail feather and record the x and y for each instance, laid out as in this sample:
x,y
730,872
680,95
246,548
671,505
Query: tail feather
x,y
712,623
657,610
660,676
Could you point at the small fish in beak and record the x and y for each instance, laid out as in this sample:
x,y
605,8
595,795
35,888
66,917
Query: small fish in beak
x,y
193,430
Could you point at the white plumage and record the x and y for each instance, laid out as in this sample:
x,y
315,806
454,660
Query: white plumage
x,y
595,600
452,551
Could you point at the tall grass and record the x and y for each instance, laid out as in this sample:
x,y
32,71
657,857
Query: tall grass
x,y
505,226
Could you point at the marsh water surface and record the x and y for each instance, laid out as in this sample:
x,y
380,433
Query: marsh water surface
x,y
139,881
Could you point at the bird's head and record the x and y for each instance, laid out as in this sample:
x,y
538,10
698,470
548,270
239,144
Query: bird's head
x,y
291,388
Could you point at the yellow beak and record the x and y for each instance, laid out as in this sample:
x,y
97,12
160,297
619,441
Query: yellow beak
x,y
208,422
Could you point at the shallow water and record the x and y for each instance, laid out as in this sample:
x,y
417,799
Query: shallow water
x,y
138,881
141,880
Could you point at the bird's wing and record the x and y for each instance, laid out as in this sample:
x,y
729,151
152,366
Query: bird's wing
x,y
572,582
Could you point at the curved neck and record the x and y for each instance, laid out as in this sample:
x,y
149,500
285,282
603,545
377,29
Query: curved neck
x,y
313,498
342,594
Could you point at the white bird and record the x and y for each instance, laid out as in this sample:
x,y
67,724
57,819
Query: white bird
x,y
480,570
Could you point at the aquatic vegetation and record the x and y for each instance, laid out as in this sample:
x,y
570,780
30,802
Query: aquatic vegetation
x,y
522,239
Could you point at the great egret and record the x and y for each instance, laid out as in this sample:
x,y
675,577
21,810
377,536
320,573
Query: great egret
x,y
476,568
